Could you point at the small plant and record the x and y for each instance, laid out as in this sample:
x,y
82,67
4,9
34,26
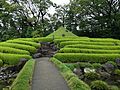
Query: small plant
x,y
99,85
91,76
1,63
117,72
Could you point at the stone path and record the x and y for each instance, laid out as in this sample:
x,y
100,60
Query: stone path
x,y
47,77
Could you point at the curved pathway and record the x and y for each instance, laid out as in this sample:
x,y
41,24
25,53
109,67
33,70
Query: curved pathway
x,y
47,77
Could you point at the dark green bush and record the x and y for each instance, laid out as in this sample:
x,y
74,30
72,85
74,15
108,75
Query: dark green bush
x,y
73,81
83,50
91,76
93,47
24,78
78,57
36,45
10,50
99,85
1,63
12,59
19,46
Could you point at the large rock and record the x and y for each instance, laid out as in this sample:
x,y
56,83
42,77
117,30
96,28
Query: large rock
x,y
108,67
37,55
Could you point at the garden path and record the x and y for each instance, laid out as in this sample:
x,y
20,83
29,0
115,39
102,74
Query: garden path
x,y
47,77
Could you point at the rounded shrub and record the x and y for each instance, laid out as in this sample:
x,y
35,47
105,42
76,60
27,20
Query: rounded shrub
x,y
113,87
92,76
1,63
99,85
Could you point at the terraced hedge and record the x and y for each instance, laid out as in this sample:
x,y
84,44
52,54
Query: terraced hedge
x,y
24,78
24,43
62,44
83,57
13,50
19,46
73,81
80,50
58,41
42,39
12,59
93,47
103,40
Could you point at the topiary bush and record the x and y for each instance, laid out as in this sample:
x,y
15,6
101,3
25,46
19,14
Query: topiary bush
x,y
24,78
31,49
99,85
83,57
36,45
12,59
13,50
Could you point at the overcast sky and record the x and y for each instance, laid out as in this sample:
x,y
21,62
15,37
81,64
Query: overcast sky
x,y
58,2
61,2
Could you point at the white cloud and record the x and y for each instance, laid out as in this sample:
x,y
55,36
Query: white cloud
x,y
61,2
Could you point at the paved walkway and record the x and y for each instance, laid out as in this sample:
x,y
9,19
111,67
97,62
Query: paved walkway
x,y
47,77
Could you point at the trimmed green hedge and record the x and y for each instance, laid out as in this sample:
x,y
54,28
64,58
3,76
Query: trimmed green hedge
x,y
13,50
93,47
73,81
79,50
12,59
103,40
57,41
19,46
24,78
36,45
78,57
62,44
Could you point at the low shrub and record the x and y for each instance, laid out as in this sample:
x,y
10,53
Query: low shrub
x,y
12,59
91,76
43,39
83,57
24,78
13,50
1,63
25,43
62,44
113,88
103,40
73,81
99,85
82,50
97,65
93,47
19,46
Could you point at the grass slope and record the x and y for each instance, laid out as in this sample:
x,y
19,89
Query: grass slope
x,y
60,31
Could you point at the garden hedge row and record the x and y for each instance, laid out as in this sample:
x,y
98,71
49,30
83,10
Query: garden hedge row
x,y
103,40
25,43
58,41
73,81
12,59
93,47
24,78
31,49
80,50
83,57
13,50
62,44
